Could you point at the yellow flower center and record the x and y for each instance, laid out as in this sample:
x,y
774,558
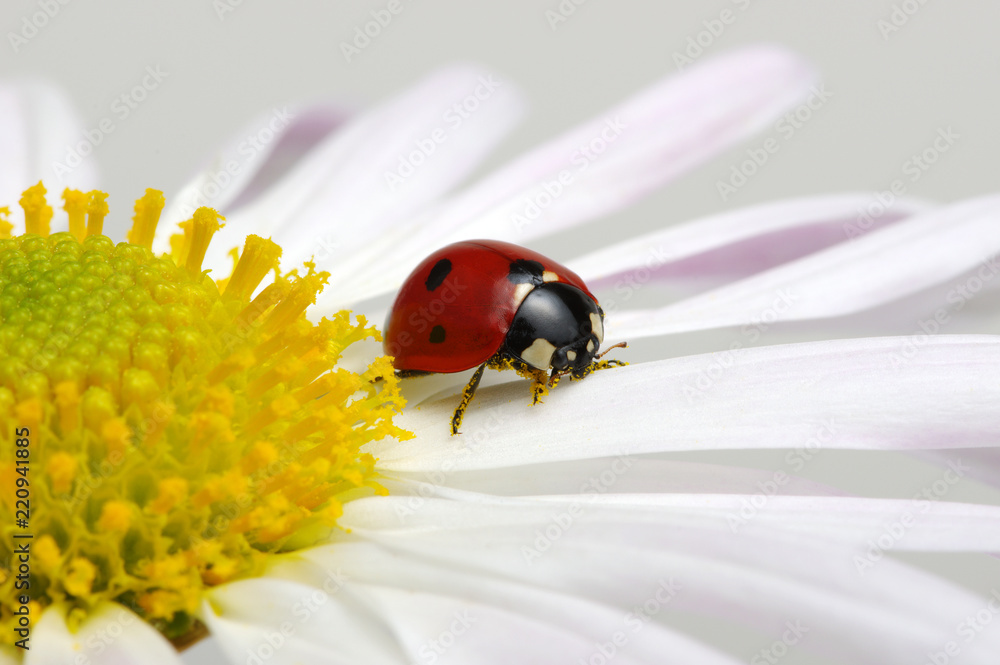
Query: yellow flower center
x,y
172,431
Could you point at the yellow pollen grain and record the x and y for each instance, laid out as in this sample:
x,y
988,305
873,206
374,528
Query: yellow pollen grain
x,y
79,577
262,454
68,403
46,552
115,516
117,436
170,492
61,471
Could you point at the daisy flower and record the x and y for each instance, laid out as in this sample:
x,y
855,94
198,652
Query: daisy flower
x,y
207,452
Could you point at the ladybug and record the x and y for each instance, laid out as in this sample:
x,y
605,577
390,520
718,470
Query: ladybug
x,y
486,303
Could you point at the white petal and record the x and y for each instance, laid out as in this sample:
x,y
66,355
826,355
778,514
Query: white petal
x,y
911,525
112,635
342,195
465,617
877,268
906,525
623,474
38,129
877,394
667,130
281,621
263,149
620,556
756,237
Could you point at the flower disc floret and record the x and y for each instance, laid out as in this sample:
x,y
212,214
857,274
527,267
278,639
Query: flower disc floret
x,y
180,429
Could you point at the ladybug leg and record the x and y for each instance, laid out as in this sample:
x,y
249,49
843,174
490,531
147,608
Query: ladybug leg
x,y
410,373
467,394
539,386
601,364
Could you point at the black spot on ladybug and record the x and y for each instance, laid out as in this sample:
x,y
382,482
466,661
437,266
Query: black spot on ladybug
x,y
526,271
437,335
438,273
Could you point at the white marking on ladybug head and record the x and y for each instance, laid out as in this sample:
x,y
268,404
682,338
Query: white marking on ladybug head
x,y
597,326
571,356
539,354
590,346
521,292
549,276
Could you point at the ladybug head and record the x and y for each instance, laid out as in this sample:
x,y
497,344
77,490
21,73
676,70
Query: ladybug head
x,y
557,326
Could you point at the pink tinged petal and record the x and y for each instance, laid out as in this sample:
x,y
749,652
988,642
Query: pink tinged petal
x,y
872,394
877,268
111,635
258,154
744,578
422,600
658,134
352,188
39,129
738,242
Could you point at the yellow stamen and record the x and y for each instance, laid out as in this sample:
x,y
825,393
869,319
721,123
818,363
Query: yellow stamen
x,y
259,257
75,204
5,226
204,224
37,212
147,216
97,210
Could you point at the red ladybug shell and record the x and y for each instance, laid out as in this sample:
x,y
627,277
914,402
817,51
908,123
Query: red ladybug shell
x,y
453,311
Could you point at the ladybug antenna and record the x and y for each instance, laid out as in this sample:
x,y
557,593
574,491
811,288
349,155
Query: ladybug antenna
x,y
619,345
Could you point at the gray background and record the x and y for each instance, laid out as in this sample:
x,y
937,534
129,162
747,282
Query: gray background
x,y
891,94
890,97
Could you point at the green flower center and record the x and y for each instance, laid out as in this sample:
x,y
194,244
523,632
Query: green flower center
x,y
180,431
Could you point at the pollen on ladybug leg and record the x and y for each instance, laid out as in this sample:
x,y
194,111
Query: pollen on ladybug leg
x,y
599,364
180,435
539,378
539,388
467,395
